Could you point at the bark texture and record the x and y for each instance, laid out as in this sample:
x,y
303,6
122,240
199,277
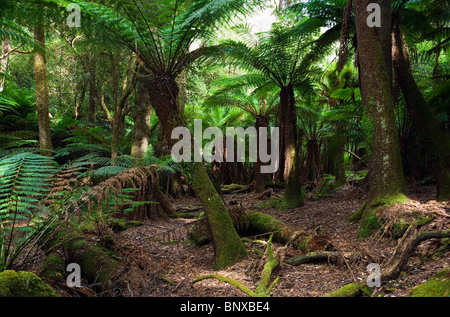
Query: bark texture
x,y
42,97
385,165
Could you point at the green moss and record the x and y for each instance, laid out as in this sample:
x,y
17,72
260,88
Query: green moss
x,y
438,286
23,284
370,220
227,244
351,290
399,228
184,215
117,224
357,215
52,267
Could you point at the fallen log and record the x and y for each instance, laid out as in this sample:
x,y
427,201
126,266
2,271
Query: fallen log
x,y
256,223
253,223
97,266
316,257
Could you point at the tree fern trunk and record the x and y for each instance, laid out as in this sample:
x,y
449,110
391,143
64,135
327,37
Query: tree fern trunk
x,y
260,178
40,75
292,195
228,246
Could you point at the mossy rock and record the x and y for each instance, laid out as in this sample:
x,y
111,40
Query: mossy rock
x,y
351,290
23,284
438,286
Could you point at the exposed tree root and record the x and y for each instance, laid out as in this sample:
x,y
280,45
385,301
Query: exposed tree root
x,y
395,264
263,288
406,246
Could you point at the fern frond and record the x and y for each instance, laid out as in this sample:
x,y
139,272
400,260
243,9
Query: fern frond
x,y
24,179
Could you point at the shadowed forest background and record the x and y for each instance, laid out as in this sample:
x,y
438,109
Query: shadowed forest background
x,y
90,92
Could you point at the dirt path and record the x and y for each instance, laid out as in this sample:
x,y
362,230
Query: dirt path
x,y
163,263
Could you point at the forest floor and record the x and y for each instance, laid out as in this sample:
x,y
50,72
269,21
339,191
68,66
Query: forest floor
x,y
161,262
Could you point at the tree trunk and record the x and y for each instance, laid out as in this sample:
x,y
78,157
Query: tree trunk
x,y
92,102
288,120
438,139
387,182
42,103
117,128
259,178
6,47
141,118
228,246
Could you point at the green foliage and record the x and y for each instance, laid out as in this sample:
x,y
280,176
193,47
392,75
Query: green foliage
x,y
24,183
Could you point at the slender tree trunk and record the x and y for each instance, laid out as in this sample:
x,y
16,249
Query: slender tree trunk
x,y
6,47
292,195
92,96
141,117
42,97
387,184
228,246
438,139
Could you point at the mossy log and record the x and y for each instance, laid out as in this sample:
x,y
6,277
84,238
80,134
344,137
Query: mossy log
x,y
253,222
249,222
235,189
97,266
52,267
23,284
351,290
315,257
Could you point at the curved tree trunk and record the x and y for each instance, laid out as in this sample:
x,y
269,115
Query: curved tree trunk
x,y
228,246
438,139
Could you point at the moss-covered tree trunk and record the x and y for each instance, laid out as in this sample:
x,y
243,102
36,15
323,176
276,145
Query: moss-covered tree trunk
x,y
228,246
288,137
387,182
438,139
42,103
